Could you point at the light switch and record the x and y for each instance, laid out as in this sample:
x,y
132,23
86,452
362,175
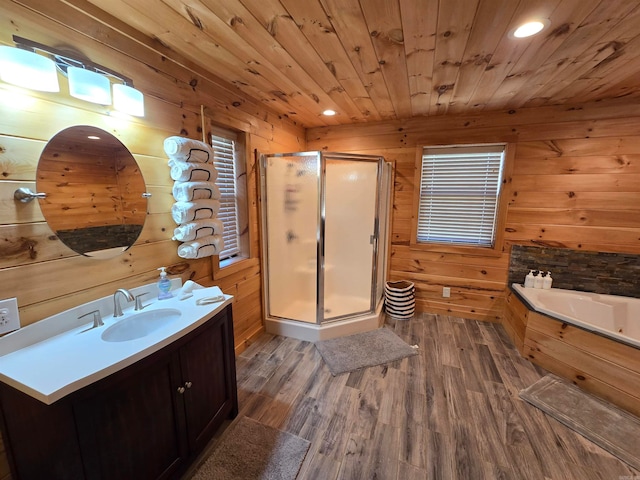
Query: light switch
x,y
9,317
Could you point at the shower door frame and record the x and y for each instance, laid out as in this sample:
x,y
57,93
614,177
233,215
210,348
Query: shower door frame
x,y
320,230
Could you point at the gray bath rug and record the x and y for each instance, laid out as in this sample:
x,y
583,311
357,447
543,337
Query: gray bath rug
x,y
614,429
254,451
353,352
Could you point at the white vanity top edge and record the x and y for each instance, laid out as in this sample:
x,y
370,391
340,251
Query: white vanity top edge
x,y
70,355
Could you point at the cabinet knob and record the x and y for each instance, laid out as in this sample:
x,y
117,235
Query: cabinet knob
x,y
187,384
181,390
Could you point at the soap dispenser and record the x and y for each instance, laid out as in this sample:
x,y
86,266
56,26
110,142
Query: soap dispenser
x,y
529,279
546,283
538,280
164,285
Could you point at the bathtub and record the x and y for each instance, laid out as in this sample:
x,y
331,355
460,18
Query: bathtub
x,y
610,315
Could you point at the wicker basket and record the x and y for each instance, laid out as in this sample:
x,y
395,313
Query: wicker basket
x,y
400,299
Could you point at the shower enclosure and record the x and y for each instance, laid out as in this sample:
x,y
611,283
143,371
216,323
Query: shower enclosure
x,y
325,236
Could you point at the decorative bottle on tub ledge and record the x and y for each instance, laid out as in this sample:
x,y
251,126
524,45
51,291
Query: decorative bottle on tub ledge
x,y
529,279
546,283
537,281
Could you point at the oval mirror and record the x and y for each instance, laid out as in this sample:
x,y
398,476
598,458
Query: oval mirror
x,y
95,200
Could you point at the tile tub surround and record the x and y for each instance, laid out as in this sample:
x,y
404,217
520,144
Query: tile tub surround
x,y
598,272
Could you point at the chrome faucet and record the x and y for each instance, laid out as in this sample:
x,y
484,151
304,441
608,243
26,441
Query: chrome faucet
x,y
117,309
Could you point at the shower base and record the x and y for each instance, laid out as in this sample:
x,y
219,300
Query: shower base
x,y
306,329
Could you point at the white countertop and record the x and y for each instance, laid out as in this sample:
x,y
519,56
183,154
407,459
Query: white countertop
x,y
61,354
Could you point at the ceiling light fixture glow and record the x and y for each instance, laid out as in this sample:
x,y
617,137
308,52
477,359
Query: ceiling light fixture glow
x,y
329,112
528,29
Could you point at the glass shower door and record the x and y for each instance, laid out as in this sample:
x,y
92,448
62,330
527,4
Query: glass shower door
x,y
291,225
351,195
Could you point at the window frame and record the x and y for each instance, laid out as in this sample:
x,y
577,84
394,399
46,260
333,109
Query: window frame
x,y
242,155
239,190
501,210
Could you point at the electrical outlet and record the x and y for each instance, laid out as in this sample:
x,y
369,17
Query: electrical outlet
x,y
9,317
446,292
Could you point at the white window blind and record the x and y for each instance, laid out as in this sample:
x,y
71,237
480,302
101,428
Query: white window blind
x,y
224,159
459,191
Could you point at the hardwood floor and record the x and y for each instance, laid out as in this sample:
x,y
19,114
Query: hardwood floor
x,y
451,412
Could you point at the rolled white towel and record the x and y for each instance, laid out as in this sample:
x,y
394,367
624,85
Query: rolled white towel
x,y
188,150
204,247
189,191
183,212
192,172
198,229
189,286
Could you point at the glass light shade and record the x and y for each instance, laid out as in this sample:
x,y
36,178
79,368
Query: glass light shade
x,y
28,69
128,100
89,86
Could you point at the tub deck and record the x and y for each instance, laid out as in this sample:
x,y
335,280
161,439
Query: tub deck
x,y
613,316
597,363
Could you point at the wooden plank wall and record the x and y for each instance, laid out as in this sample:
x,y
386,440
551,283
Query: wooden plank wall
x,y
58,278
44,275
574,184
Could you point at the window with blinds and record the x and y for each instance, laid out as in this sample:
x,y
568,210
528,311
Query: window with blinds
x,y
224,159
459,191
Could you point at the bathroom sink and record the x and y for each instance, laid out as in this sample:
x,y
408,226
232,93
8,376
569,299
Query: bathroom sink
x,y
140,325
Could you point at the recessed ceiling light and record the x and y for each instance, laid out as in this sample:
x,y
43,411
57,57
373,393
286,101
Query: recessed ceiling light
x,y
530,28
329,113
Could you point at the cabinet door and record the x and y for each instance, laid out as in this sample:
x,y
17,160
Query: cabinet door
x,y
134,428
41,439
209,374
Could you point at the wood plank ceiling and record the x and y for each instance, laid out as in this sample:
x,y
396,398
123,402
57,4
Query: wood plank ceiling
x,y
373,60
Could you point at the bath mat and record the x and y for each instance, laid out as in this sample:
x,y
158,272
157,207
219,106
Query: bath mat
x,y
353,352
614,429
254,451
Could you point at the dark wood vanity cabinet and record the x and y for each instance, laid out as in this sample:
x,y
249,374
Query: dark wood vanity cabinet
x,y
209,380
147,421
133,429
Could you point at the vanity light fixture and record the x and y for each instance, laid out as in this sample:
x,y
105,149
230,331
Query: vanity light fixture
x,y
531,28
87,80
127,99
89,86
28,69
